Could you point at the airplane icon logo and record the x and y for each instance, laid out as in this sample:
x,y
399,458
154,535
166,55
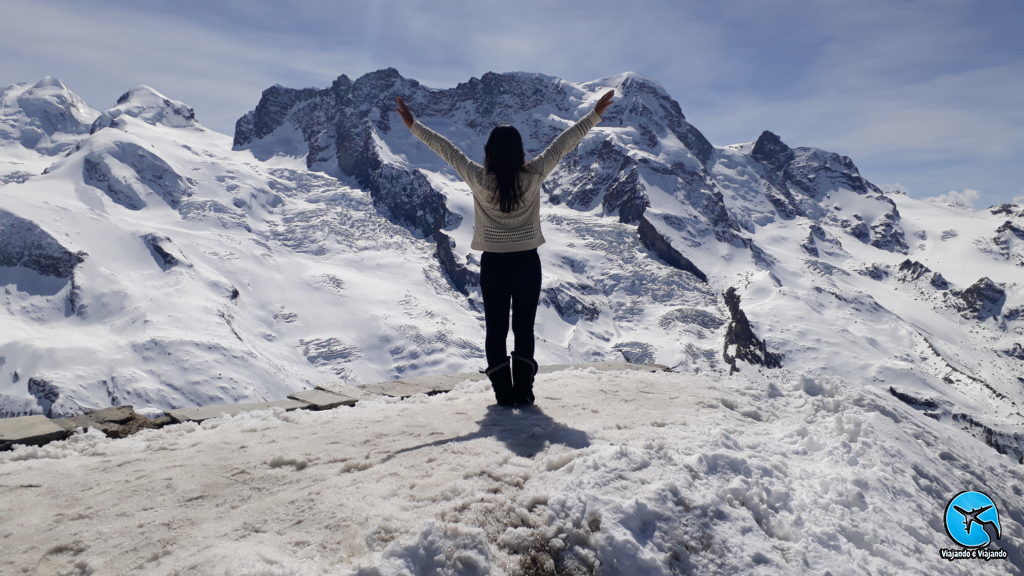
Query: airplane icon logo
x,y
971,518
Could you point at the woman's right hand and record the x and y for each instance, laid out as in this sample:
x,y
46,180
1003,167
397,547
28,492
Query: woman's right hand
x,y
604,102
404,112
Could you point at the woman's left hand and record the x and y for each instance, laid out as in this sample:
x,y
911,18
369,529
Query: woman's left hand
x,y
604,102
404,112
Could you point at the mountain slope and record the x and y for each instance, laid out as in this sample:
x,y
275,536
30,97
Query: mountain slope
x,y
156,266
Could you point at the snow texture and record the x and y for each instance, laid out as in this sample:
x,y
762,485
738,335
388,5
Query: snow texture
x,y
613,473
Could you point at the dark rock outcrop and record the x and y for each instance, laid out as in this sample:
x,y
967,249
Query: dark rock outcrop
x,y
1012,229
939,282
157,248
24,243
569,301
461,276
982,300
886,233
626,197
657,243
815,234
1007,209
876,271
1017,351
911,270
771,151
740,341
45,392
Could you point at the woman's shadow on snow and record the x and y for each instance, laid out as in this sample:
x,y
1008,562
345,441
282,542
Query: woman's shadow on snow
x,y
524,431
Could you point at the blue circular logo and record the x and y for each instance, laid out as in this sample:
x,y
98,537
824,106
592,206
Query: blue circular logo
x,y
967,516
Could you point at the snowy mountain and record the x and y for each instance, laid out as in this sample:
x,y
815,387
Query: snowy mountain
x,y
38,123
159,264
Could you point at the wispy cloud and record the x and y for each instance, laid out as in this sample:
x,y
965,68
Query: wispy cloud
x,y
923,92
966,197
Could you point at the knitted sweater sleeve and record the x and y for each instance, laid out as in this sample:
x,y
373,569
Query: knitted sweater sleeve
x,y
546,161
467,169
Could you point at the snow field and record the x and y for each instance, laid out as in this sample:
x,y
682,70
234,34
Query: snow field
x,y
615,473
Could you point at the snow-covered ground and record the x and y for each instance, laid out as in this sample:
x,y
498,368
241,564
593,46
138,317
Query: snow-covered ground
x,y
614,473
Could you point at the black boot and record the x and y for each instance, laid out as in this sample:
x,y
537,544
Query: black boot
x,y
501,382
523,371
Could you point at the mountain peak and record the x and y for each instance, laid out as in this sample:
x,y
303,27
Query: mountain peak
x,y
630,79
43,116
150,106
770,149
50,82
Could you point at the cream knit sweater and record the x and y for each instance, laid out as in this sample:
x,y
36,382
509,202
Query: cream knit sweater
x,y
494,230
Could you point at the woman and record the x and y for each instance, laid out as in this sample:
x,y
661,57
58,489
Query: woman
x,y
506,206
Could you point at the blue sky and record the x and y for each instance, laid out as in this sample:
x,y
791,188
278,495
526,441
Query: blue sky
x,y
927,95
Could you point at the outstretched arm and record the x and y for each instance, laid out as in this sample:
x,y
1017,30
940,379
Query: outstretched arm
x,y
546,161
467,169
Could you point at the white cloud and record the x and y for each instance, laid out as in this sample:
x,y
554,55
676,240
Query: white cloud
x,y
967,197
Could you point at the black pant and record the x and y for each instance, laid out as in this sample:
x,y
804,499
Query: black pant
x,y
509,277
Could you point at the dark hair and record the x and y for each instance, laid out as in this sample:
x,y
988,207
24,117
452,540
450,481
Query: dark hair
x,y
504,157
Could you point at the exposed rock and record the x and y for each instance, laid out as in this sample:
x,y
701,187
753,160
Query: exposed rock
x,y
1010,228
160,253
740,341
876,271
569,302
1008,443
1015,313
148,105
771,151
1007,209
816,232
23,243
857,228
1017,351
45,392
925,404
461,276
911,270
939,282
656,242
887,235
115,422
982,300
626,197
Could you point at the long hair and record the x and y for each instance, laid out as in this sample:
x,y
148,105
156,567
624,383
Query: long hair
x,y
504,157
